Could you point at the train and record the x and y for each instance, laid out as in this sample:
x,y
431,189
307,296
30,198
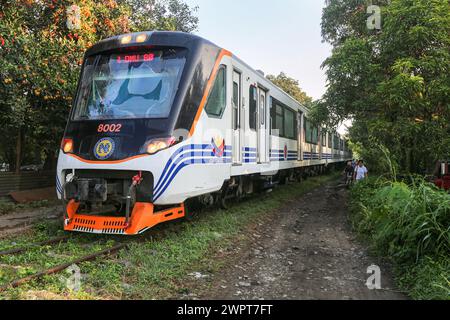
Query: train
x,y
162,118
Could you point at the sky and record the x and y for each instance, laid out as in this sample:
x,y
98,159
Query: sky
x,y
272,36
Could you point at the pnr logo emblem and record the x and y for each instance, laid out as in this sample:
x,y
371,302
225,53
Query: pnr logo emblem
x,y
104,148
218,146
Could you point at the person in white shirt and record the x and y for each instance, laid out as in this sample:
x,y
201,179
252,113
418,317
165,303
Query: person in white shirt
x,y
361,171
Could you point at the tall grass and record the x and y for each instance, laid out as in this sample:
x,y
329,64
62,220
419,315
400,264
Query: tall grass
x,y
410,224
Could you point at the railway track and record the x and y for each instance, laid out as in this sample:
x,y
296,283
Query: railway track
x,y
38,244
58,268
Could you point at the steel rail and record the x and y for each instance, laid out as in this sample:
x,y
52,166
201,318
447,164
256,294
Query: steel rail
x,y
30,246
63,266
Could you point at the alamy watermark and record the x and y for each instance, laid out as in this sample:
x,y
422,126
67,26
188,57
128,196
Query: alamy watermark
x,y
374,20
73,21
73,280
374,280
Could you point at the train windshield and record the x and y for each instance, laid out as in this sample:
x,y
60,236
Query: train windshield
x,y
129,86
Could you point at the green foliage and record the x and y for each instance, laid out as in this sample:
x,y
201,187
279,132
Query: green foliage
x,y
345,19
429,279
291,87
172,15
410,224
393,83
40,61
377,156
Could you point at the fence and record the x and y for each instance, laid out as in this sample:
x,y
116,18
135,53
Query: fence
x,y
25,181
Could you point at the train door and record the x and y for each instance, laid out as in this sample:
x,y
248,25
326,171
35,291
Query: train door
x,y
299,136
236,125
263,134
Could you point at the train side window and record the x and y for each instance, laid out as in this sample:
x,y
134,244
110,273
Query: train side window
x,y
283,119
311,132
324,139
289,124
235,93
217,99
279,121
272,115
305,129
262,99
336,142
315,135
330,140
235,105
252,107
308,131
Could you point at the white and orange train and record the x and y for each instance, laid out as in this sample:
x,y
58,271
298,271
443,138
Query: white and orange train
x,y
163,117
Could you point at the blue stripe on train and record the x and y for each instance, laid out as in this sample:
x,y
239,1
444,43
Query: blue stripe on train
x,y
186,156
193,147
185,163
58,186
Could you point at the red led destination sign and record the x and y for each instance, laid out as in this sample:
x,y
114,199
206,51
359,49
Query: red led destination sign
x,y
128,58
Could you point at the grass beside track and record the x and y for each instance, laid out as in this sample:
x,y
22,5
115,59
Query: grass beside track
x,y
156,264
409,224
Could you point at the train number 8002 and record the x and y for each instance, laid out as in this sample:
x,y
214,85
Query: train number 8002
x,y
109,128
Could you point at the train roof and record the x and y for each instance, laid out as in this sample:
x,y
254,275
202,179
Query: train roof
x,y
154,38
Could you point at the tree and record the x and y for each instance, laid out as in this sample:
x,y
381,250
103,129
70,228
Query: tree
x,y
291,87
172,15
40,59
39,62
394,83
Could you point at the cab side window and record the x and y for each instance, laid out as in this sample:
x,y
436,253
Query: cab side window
x,y
217,98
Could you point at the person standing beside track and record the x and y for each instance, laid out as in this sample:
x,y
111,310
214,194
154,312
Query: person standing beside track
x,y
348,173
361,171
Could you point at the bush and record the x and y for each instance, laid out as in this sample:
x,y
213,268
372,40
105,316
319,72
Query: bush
x,y
428,279
410,224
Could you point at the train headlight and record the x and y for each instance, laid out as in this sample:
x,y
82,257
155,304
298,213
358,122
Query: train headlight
x,y
129,38
141,37
155,145
126,39
67,145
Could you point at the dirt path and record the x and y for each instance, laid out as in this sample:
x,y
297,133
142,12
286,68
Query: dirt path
x,y
306,251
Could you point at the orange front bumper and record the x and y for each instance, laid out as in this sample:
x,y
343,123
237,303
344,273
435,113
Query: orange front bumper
x,y
141,219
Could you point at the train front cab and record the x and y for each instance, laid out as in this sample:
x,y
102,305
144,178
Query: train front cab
x,y
130,100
